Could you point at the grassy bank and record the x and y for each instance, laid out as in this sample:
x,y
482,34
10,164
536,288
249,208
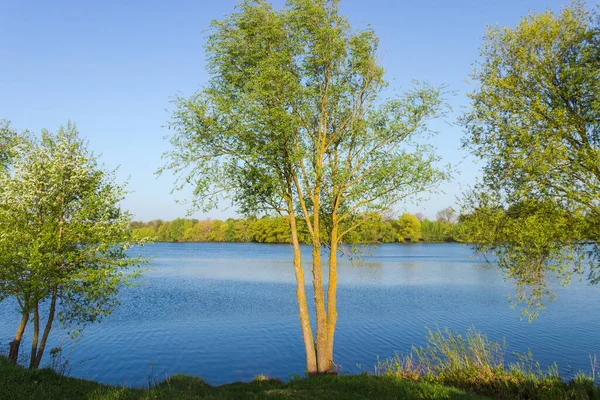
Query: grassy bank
x,y
475,363
450,366
18,383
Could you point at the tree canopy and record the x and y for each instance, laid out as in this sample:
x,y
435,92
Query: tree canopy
x,y
409,227
535,122
64,239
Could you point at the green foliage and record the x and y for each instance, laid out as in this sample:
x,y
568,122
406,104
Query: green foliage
x,y
18,383
535,122
8,140
63,237
529,241
409,227
271,229
373,229
475,363
438,231
290,116
535,116
263,230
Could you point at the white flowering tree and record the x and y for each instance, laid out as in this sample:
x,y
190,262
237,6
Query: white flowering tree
x,y
63,237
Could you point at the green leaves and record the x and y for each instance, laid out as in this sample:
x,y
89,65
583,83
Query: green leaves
x,y
409,227
62,227
535,123
532,241
535,116
292,108
8,141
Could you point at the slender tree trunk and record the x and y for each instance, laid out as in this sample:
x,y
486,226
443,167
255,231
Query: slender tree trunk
x,y
51,312
36,334
307,334
332,294
323,365
15,345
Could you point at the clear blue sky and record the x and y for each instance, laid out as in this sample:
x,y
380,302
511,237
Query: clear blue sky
x,y
112,66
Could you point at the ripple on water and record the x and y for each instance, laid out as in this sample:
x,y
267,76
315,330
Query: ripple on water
x,y
228,312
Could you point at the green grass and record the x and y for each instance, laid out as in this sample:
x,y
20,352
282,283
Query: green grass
x,y
18,383
450,366
474,363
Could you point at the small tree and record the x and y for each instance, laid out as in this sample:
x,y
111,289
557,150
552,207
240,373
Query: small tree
x,y
409,227
63,236
292,122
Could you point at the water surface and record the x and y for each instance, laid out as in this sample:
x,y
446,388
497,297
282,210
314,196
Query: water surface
x,y
228,312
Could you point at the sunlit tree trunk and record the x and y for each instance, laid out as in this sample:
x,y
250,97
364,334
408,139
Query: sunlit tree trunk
x,y
332,293
321,315
13,354
307,334
42,347
323,365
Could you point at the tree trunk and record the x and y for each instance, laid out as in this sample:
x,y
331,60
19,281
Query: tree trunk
x,y
13,354
36,334
332,294
51,312
323,364
307,335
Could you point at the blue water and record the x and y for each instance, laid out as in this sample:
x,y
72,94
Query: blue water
x,y
228,312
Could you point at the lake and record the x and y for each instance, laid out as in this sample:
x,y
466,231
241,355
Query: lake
x,y
228,312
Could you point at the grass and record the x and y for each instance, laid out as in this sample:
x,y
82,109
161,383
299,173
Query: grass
x,y
450,366
18,383
474,363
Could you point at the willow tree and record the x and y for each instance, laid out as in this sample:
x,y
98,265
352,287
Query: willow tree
x,y
292,121
63,237
535,123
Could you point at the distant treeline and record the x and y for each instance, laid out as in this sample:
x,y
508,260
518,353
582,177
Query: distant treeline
x,y
271,229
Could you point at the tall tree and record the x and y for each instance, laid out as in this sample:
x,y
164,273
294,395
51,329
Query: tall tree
x,y
535,122
292,121
63,236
